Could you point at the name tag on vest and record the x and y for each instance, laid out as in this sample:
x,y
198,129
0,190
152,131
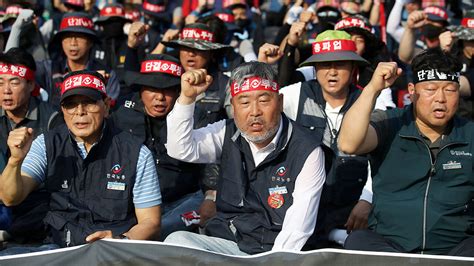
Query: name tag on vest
x,y
116,186
277,190
452,165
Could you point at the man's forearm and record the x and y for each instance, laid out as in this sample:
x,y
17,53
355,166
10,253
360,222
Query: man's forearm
x,y
356,121
407,45
146,230
11,183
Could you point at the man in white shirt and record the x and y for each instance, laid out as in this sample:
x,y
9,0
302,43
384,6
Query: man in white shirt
x,y
272,173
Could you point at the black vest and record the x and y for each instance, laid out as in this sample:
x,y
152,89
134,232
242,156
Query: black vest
x,y
346,175
27,217
244,212
177,178
91,194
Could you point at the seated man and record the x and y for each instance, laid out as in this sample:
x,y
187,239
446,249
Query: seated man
x,y
144,116
421,159
103,182
19,108
272,172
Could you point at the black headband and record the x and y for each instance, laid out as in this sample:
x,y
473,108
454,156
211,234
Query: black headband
x,y
434,74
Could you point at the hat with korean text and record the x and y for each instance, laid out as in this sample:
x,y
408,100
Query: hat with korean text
x,y
77,22
334,45
84,82
156,71
197,36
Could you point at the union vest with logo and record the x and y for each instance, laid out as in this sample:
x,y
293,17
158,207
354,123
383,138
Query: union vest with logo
x,y
177,178
90,194
423,206
244,212
346,175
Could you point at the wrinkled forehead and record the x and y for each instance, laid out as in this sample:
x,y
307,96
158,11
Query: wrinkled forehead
x,y
437,84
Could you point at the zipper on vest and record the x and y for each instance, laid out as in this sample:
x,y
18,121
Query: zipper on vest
x,y
67,237
432,173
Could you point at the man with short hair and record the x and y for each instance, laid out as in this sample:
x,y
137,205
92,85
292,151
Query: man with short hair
x,y
421,159
21,108
76,37
103,181
157,85
272,173
319,105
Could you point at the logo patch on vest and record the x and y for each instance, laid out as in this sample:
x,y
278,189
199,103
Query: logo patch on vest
x,y
115,172
279,175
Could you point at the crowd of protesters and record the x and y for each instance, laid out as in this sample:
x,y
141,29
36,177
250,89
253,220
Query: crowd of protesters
x,y
238,126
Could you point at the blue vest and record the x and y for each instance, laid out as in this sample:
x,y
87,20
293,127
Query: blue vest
x,y
91,194
177,178
244,207
346,175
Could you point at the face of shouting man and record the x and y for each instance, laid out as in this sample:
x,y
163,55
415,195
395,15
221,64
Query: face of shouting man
x,y
158,102
257,114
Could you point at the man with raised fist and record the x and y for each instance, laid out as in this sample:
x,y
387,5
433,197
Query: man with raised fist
x,y
421,159
272,172
103,181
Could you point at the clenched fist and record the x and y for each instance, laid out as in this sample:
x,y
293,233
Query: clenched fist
x,y
193,83
19,142
384,75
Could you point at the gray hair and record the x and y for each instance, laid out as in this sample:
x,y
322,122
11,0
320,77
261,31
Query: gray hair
x,y
251,69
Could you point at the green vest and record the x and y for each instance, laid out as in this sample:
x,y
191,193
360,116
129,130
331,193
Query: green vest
x,y
423,207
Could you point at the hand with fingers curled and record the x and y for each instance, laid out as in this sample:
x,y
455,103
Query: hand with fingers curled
x,y
446,40
136,34
296,31
19,142
384,76
269,53
193,83
416,19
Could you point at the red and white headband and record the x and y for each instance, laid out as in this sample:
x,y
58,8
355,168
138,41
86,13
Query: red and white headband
x,y
253,84
467,22
82,22
352,23
13,10
436,11
161,66
332,46
153,8
228,18
83,81
112,11
17,70
197,34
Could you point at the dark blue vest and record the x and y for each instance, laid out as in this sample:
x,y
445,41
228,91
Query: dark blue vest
x,y
91,194
345,175
244,212
177,178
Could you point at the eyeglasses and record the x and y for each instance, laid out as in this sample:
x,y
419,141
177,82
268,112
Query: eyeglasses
x,y
89,106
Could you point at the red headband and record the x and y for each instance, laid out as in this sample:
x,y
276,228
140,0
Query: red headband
x,y
225,17
161,66
352,23
82,22
332,46
83,81
153,8
436,11
467,22
13,10
227,3
17,70
112,11
198,34
253,84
